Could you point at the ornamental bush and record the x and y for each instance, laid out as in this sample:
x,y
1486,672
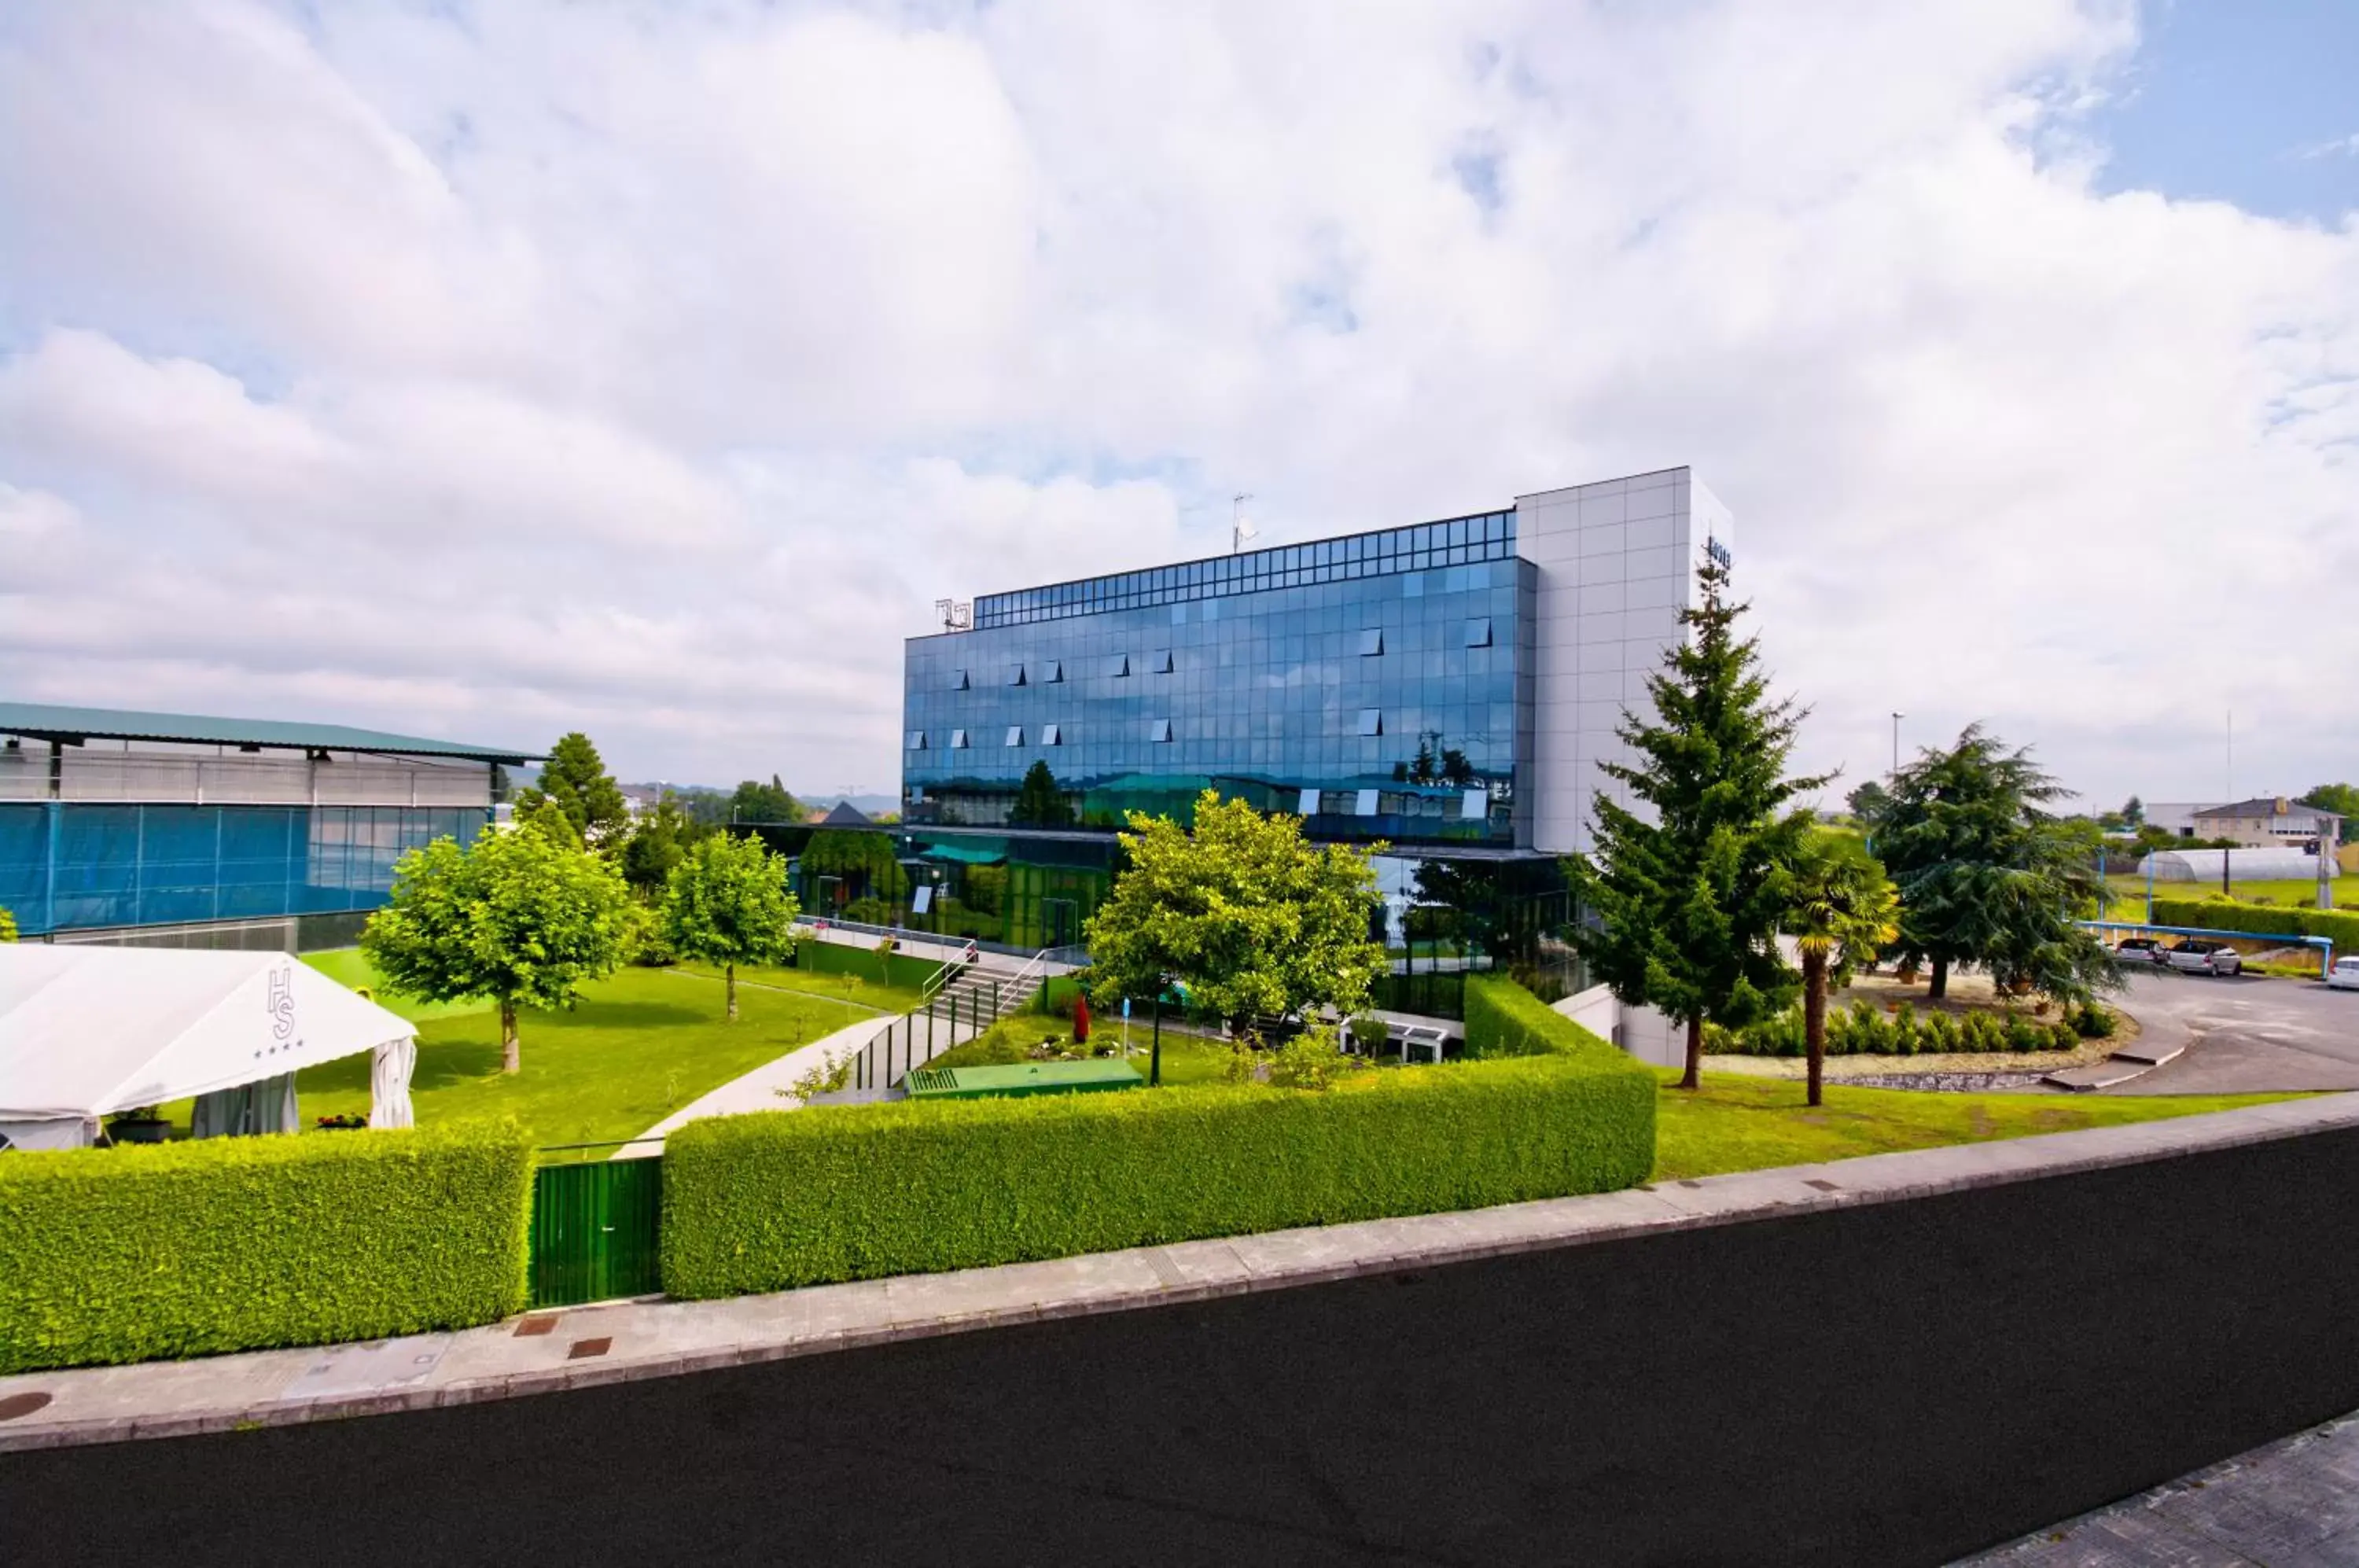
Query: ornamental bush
x,y
2339,926
180,1249
1503,1019
774,1199
1865,1030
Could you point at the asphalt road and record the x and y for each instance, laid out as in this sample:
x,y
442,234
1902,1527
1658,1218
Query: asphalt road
x,y
1891,1383
2246,1035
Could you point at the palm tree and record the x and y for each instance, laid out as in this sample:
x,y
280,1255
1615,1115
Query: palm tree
x,y
1843,907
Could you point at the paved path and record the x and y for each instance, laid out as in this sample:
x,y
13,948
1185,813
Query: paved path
x,y
2246,1035
758,1090
2293,1504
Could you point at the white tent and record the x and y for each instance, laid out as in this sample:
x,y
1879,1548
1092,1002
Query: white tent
x,y
86,1031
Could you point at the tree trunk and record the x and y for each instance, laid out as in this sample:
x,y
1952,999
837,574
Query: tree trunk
x,y
1814,1018
729,974
511,1049
1940,985
1690,1079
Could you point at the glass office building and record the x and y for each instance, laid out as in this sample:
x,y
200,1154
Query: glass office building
x,y
159,827
1379,684
1449,687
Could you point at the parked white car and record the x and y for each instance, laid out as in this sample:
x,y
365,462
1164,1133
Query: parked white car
x,y
2345,976
2197,956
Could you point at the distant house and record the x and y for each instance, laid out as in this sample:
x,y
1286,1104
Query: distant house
x,y
2265,821
2176,816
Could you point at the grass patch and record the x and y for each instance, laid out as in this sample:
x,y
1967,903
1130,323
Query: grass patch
x,y
638,1047
350,967
1740,1123
1187,1058
2129,893
865,995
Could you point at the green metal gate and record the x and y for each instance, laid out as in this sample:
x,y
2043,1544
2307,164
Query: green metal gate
x,y
593,1231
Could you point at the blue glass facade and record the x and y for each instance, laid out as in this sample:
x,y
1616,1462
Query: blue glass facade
x,y
68,864
1381,684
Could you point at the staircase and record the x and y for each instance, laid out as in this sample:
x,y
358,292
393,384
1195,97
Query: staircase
x,y
986,991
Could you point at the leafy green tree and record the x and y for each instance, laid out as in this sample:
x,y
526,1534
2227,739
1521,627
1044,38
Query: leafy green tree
x,y
1253,920
1688,903
2134,812
660,840
2342,799
726,902
1039,801
1988,876
1841,910
758,803
575,779
522,917
1867,801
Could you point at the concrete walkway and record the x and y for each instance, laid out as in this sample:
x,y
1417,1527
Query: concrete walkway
x,y
759,1090
2290,1504
546,1352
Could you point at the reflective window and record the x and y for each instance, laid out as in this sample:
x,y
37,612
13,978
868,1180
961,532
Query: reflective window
x,y
1162,662
958,740
1158,730
1372,641
958,680
1052,734
1016,675
1478,632
917,741
1014,736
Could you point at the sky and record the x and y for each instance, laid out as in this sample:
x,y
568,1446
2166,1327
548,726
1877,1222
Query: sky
x,y
495,371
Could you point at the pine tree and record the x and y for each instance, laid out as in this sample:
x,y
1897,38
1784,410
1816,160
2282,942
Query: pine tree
x,y
1688,905
1039,801
575,780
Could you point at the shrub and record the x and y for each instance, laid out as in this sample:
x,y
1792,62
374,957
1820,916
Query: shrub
x,y
1370,1034
771,1201
239,1243
2340,926
1505,1020
2090,1021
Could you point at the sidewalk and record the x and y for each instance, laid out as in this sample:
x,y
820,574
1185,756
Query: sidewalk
x,y
547,1351
758,1090
2290,1504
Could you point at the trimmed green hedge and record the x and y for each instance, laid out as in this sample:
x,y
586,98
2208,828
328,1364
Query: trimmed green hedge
x,y
776,1200
132,1253
1505,1020
818,956
2339,926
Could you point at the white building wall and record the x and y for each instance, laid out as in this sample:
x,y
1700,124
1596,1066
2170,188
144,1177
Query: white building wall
x,y
1617,563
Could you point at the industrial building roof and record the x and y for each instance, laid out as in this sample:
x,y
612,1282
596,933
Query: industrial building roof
x,y
41,721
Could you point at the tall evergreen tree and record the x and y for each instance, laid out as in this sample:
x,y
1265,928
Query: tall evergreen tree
x,y
1038,803
1988,876
1687,905
575,780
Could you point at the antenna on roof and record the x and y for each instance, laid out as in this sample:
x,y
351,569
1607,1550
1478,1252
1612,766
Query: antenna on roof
x,y
1240,526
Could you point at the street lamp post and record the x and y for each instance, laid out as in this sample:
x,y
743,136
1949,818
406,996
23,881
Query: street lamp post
x,y
1896,717
1155,1051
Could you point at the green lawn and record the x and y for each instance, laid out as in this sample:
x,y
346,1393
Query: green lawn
x,y
865,995
638,1047
2129,893
1740,1123
348,967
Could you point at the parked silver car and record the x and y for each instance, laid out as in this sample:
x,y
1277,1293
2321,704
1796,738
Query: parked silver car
x,y
2197,956
2345,976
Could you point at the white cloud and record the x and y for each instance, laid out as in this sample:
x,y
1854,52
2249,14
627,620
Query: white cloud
x,y
653,371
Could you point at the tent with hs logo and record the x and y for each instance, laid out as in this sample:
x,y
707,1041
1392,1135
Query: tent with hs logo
x,y
88,1031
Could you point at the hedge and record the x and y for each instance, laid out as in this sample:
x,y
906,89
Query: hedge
x,y
2339,926
132,1253
774,1199
817,955
1505,1020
